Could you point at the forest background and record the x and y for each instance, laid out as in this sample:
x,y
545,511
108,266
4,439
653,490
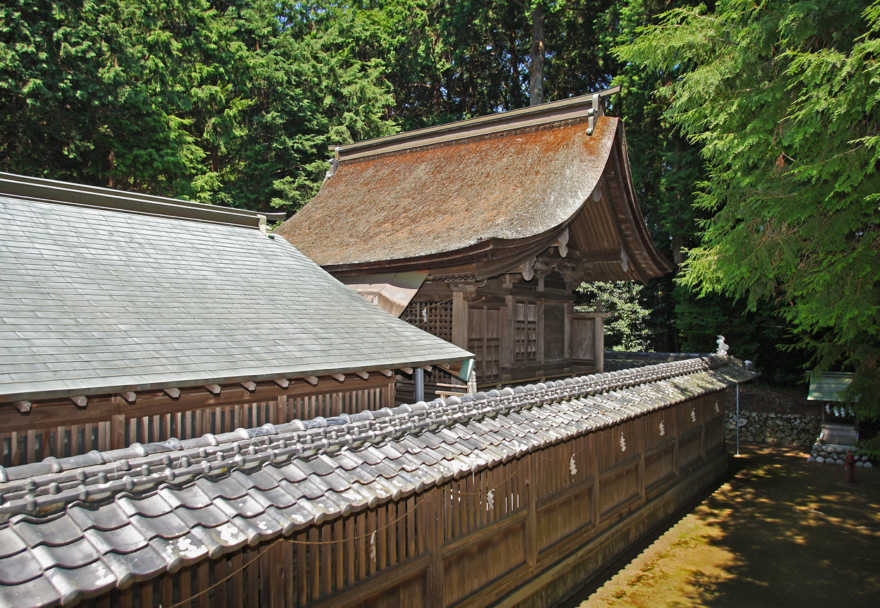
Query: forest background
x,y
234,103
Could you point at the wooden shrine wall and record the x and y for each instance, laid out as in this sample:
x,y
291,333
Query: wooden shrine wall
x,y
520,331
62,429
467,542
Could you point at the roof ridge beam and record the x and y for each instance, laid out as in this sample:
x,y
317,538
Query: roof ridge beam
x,y
545,113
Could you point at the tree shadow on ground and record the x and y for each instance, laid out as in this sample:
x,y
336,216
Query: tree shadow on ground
x,y
777,531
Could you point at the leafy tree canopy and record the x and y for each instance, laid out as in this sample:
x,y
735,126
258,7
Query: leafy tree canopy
x,y
231,103
782,99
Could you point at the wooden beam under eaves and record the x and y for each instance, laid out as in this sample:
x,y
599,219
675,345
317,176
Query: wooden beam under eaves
x,y
80,400
174,393
313,380
603,255
249,386
339,377
386,372
427,368
23,406
362,375
129,396
214,389
282,382
407,370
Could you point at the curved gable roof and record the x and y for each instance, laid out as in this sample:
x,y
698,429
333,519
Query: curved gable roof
x,y
446,202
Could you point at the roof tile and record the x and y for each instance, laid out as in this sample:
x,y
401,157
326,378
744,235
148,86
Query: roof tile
x,y
19,569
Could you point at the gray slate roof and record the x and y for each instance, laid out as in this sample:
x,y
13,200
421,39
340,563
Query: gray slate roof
x,y
76,527
96,300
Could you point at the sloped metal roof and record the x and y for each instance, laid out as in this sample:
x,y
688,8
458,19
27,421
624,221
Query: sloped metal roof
x,y
828,386
94,300
76,527
467,193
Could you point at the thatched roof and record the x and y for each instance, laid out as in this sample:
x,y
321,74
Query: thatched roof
x,y
485,193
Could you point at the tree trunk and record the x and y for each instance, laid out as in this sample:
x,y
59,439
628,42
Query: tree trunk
x,y
678,255
536,64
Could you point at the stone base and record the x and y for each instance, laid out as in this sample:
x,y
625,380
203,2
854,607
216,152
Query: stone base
x,y
829,453
783,429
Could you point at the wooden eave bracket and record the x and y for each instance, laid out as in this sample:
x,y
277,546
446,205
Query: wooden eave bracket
x,y
214,389
174,393
407,370
562,243
363,375
249,386
313,380
427,368
129,396
282,382
80,400
338,377
528,268
386,372
23,406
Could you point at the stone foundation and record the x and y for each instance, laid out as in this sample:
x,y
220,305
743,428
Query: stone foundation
x,y
785,429
835,454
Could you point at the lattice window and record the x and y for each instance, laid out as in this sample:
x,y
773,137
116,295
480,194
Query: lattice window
x,y
526,331
434,317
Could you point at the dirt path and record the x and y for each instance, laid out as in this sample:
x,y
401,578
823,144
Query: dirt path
x,y
779,532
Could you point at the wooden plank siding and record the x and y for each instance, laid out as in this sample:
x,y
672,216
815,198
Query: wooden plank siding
x,y
61,429
467,542
519,331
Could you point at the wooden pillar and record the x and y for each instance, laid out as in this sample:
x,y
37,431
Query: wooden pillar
x,y
459,319
507,330
600,342
539,313
433,529
532,521
569,310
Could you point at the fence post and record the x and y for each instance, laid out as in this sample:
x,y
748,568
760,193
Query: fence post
x,y
675,452
703,426
597,511
532,521
435,589
643,444
117,431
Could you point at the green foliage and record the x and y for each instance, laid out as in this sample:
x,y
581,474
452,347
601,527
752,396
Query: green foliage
x,y
769,106
756,335
627,328
233,103
782,98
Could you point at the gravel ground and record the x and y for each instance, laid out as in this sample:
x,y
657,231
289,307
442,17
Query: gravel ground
x,y
778,532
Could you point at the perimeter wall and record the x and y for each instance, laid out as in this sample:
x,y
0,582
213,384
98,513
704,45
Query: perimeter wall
x,y
527,532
